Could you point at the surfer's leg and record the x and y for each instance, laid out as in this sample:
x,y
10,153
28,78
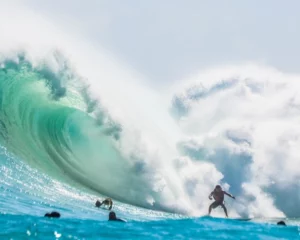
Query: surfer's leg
x,y
213,205
209,209
111,204
224,208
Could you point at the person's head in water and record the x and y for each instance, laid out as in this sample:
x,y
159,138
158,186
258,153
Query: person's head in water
x,y
52,215
98,203
281,223
218,188
112,216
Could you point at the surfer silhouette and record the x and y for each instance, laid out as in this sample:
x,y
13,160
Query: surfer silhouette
x,y
218,195
107,201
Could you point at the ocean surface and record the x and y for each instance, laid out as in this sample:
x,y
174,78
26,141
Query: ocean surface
x,y
27,194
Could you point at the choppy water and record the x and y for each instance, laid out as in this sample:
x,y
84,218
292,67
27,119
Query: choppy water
x,y
22,227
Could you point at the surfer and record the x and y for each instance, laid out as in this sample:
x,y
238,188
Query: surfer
x,y
218,195
112,217
107,201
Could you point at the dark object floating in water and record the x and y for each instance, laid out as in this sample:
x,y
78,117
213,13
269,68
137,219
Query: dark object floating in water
x,y
281,223
52,215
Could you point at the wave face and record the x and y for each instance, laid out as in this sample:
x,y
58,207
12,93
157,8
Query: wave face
x,y
48,120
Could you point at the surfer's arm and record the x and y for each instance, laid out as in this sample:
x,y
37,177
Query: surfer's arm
x,y
228,194
210,195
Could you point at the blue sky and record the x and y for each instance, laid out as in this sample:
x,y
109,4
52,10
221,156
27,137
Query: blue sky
x,y
168,40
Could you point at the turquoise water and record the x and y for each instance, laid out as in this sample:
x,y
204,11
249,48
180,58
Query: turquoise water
x,y
19,227
50,163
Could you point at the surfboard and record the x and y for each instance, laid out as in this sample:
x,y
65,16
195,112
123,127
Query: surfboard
x,y
237,219
242,219
104,208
